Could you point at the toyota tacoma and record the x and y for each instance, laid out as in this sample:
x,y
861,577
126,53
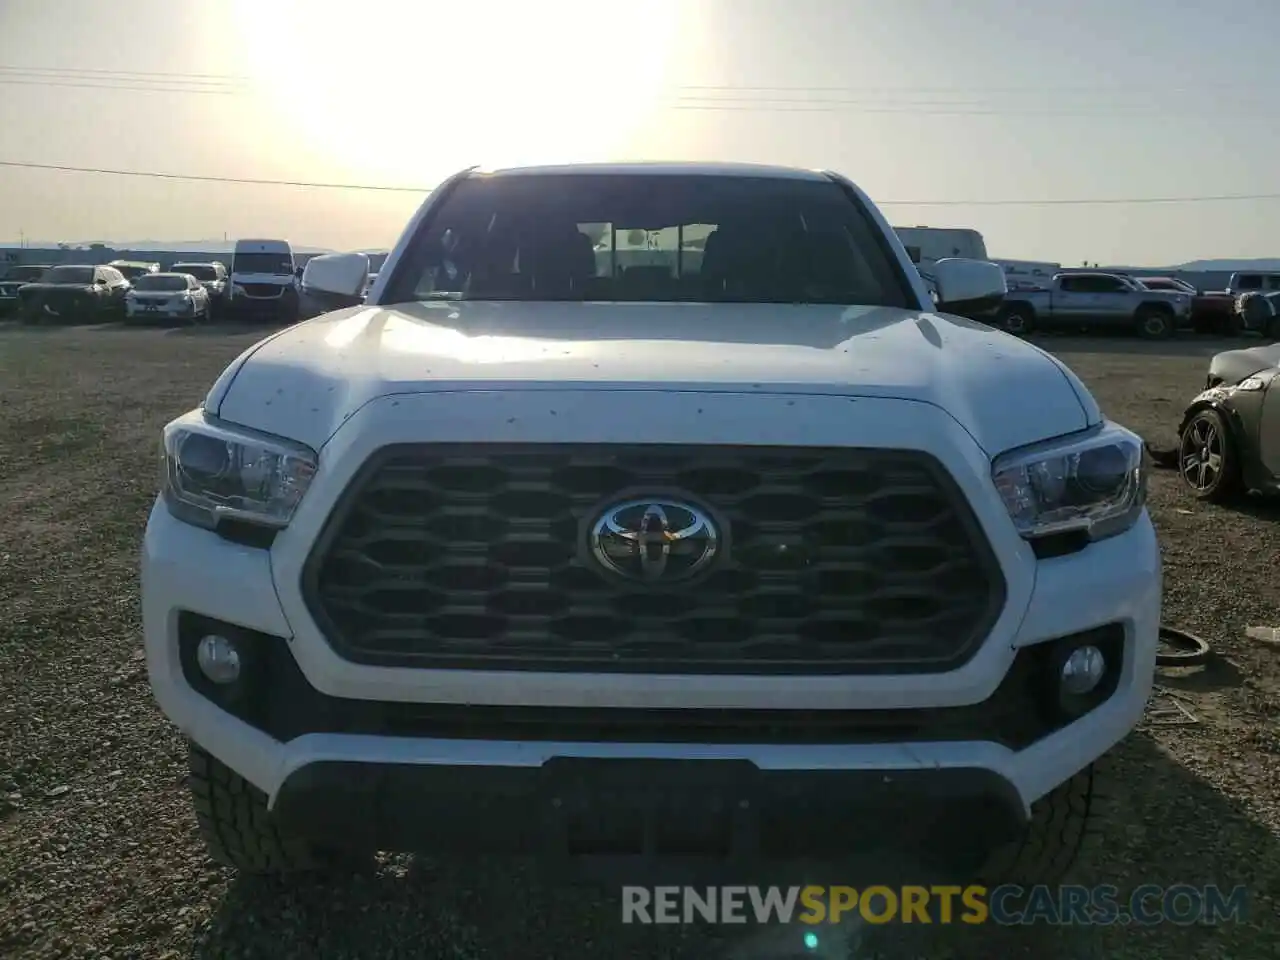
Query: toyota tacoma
x,y
726,545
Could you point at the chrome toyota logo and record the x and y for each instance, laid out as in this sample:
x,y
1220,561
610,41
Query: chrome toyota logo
x,y
655,541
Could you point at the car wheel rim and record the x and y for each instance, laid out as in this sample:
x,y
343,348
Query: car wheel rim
x,y
1015,323
1202,454
1155,326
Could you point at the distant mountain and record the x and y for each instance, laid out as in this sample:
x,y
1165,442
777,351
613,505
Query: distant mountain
x,y
1263,265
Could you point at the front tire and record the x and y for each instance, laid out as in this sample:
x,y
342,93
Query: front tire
x,y
1208,460
239,831
1018,319
1060,823
1154,323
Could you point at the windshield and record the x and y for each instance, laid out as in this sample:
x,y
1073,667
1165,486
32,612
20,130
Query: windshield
x,y
1174,285
653,238
161,281
70,275
276,264
201,271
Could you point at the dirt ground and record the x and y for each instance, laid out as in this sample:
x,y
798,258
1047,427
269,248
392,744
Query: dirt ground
x,y
98,850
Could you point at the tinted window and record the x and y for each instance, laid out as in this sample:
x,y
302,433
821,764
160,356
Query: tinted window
x,y
25,273
160,281
201,271
271,263
76,275
652,238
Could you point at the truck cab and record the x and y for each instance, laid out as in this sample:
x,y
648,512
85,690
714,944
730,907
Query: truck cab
x,y
263,282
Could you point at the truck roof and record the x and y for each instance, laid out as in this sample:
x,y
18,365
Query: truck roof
x,y
261,246
687,168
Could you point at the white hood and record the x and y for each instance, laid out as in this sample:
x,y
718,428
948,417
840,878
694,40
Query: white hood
x,y
305,381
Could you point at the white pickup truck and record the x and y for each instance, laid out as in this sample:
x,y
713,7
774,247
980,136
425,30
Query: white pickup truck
x,y
746,558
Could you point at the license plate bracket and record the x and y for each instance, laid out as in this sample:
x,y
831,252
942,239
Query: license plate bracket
x,y
650,808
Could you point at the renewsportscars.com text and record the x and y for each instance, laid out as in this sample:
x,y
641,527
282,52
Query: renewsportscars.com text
x,y
1010,905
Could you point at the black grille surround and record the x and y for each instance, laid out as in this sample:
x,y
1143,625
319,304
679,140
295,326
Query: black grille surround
x,y
475,556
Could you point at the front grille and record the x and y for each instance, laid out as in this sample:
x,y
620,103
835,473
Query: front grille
x,y
475,556
264,290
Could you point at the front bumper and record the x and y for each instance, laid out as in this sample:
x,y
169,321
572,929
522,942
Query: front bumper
x,y
141,313
307,774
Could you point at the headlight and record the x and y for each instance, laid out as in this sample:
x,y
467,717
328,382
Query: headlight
x,y
215,472
1094,482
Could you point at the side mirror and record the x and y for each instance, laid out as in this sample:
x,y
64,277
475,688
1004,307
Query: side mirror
x,y
336,279
968,286
914,254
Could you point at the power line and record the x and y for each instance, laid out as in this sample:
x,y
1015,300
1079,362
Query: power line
x,y
1109,91
725,98
134,88
258,181
218,77
209,179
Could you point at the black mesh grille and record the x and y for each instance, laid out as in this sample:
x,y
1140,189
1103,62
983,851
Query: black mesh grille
x,y
475,556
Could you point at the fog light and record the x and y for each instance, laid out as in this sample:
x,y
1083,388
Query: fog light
x,y
218,658
1082,671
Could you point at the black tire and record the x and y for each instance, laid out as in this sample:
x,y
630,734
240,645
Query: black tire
x,y
1018,319
1060,824
1208,460
239,831
1273,328
1154,323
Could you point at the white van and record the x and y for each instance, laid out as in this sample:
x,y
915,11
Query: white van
x,y
263,280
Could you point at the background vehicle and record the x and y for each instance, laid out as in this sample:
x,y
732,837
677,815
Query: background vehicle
x,y
1096,299
263,281
212,275
1243,282
132,269
548,452
74,294
13,278
1257,312
1229,437
1210,312
168,296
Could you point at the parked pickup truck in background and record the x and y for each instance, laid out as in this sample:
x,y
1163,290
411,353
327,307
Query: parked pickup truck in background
x,y
1097,299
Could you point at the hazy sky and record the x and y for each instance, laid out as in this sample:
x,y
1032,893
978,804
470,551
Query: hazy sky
x,y
916,100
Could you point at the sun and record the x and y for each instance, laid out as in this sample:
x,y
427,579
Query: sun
x,y
404,93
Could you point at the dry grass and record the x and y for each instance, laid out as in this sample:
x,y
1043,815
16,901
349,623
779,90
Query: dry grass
x,y
111,864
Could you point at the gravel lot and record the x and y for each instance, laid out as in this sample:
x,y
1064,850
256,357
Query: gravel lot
x,y
98,851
